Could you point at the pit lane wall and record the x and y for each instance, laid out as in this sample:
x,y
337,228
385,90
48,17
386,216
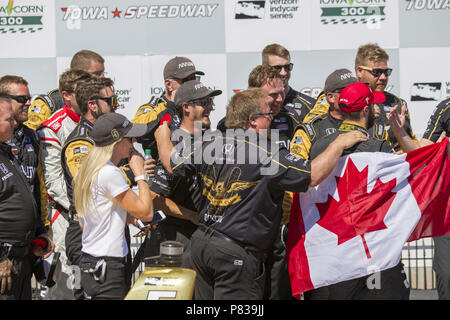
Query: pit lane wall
x,y
224,38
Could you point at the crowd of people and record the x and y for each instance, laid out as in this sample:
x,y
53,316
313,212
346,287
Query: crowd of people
x,y
69,164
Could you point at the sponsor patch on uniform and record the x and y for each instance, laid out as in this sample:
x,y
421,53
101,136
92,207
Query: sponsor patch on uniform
x,y
56,126
298,140
36,109
82,149
145,110
293,158
238,262
29,148
283,126
4,170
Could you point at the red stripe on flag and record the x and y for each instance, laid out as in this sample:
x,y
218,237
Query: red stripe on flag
x,y
296,254
430,184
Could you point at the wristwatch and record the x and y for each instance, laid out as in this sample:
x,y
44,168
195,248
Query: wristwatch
x,y
142,177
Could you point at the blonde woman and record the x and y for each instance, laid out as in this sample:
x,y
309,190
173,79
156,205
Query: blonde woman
x,y
105,203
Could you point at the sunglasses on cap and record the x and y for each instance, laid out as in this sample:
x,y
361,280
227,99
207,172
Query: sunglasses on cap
x,y
111,101
377,72
204,102
19,99
287,67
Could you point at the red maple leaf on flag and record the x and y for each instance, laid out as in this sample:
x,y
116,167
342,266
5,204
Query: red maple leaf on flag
x,y
357,212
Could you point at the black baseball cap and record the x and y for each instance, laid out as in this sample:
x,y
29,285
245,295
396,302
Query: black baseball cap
x,y
193,90
112,127
180,68
339,79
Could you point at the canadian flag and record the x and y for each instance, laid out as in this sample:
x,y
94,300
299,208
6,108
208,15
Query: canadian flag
x,y
357,221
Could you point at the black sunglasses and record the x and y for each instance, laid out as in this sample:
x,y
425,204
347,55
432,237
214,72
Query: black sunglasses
x,y
377,72
287,67
204,102
270,114
19,99
111,101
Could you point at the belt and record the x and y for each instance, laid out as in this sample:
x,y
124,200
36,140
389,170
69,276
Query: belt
x,y
220,235
106,259
15,251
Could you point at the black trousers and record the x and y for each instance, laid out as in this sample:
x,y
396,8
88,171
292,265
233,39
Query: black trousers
x,y
21,282
226,270
392,285
441,265
278,283
112,287
73,252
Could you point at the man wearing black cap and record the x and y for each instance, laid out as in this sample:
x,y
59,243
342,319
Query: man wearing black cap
x,y
305,134
194,102
356,104
325,123
177,71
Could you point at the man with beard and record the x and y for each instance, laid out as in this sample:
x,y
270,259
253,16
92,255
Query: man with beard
x,y
177,71
194,103
277,56
371,68
94,98
356,104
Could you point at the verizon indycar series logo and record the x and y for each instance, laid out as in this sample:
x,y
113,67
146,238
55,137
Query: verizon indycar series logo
x,y
20,16
430,91
370,12
256,9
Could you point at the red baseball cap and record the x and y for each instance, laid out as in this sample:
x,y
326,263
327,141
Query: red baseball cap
x,y
356,96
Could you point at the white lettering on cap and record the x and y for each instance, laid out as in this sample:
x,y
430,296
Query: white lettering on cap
x,y
185,64
125,123
198,86
346,76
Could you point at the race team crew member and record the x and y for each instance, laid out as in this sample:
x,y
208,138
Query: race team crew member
x,y
44,106
176,71
438,124
324,124
20,223
320,125
356,103
239,215
195,102
277,56
25,143
285,118
53,133
371,68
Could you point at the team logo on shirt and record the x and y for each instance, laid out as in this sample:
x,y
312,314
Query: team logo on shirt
x,y
5,172
222,194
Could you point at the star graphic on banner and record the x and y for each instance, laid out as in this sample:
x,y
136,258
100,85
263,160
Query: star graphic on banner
x,y
116,13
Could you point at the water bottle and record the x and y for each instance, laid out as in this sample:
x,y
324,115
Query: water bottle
x,y
147,154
